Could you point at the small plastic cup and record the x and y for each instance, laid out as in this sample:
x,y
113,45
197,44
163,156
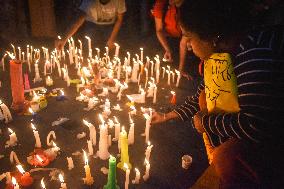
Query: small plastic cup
x,y
186,161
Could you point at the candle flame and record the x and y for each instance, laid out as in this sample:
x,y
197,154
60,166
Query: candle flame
x,y
14,181
39,158
115,119
10,130
86,123
115,44
42,183
173,92
102,119
137,170
0,101
149,143
147,162
20,168
87,37
85,157
123,129
110,156
61,179
125,166
147,116
12,56
33,126
62,92
141,48
54,144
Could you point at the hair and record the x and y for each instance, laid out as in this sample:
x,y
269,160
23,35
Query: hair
x,y
212,18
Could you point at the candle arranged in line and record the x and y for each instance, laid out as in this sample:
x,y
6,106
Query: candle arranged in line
x,y
137,177
88,180
103,142
148,151
36,135
111,181
147,171
127,173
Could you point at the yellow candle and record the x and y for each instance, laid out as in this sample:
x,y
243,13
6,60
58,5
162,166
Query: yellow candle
x,y
124,157
88,180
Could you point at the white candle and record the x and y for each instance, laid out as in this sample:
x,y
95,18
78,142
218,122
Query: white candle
x,y
89,45
116,129
116,49
13,138
19,48
147,127
48,81
15,184
70,163
92,129
152,68
178,78
48,141
169,77
14,50
146,175
3,61
155,94
61,179
173,75
6,112
148,151
103,142
127,173
42,184
137,177
36,135
141,54
131,132
98,52
90,147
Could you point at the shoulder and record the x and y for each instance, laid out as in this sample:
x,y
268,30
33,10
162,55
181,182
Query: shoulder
x,y
157,10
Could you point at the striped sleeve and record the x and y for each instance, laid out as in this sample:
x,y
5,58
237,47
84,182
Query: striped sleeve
x,y
259,72
190,106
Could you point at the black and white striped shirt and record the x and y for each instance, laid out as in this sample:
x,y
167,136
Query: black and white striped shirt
x,y
258,66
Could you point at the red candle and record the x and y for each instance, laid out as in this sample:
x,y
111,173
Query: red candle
x,y
39,158
22,177
173,99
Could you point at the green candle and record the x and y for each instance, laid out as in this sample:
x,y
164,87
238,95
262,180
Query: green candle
x,y
111,181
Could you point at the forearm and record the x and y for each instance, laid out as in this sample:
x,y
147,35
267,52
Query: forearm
x,y
170,115
75,26
116,29
182,52
163,40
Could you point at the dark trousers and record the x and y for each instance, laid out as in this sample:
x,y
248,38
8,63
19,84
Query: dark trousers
x,y
249,166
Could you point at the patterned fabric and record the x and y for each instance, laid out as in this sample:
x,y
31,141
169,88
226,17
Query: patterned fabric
x,y
258,67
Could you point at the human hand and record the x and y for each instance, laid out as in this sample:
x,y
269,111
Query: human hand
x,y
158,118
110,44
197,121
59,43
168,56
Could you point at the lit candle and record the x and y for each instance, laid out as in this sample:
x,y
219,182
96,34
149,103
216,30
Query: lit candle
x,y
14,50
133,110
148,151
173,75
3,61
98,52
173,99
25,179
42,184
137,177
116,49
81,46
141,54
178,78
92,129
124,157
62,183
70,163
146,175
152,68
111,181
127,173
169,77
13,138
36,135
147,127
131,132
48,81
6,112
88,180
116,129
19,48
15,184
155,94
90,147
89,45
103,142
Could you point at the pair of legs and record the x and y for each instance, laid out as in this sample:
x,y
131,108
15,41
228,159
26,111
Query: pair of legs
x,y
249,166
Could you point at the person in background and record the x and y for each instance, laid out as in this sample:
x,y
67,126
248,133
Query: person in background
x,y
248,143
165,13
101,13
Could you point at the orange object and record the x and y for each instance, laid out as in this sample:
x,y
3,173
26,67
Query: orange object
x,y
43,159
17,86
170,19
23,179
173,99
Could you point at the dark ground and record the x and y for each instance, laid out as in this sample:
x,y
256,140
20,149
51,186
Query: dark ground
x,y
170,140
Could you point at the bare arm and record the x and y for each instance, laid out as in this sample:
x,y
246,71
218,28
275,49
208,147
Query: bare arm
x,y
115,30
161,35
182,52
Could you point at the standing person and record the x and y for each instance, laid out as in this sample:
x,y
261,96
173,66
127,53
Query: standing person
x,y
248,143
165,13
101,13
